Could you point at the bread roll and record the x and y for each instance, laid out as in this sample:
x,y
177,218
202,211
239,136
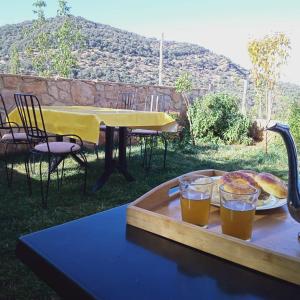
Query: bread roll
x,y
272,185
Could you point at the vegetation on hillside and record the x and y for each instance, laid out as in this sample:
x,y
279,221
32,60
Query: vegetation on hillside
x,y
118,55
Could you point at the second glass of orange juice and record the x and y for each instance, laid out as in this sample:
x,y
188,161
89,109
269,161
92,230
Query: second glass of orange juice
x,y
237,211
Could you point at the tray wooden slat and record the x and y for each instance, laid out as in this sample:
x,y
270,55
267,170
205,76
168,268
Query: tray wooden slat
x,y
273,250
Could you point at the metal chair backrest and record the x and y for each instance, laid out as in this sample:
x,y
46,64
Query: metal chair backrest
x,y
127,101
3,114
31,115
5,124
157,102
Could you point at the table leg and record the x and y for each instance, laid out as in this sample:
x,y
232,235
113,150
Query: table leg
x,y
122,166
109,164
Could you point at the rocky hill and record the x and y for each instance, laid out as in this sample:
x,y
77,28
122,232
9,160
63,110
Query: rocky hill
x,y
112,54
118,55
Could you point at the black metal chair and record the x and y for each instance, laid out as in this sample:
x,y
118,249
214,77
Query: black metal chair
x,y
158,103
11,138
55,151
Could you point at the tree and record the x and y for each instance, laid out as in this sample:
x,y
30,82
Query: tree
x,y
53,52
184,85
14,61
268,55
68,38
39,49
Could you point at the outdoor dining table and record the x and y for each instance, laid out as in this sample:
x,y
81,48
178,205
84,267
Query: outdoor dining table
x,y
100,257
85,122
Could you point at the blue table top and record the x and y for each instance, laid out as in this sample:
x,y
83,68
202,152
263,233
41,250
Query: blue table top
x,y
107,259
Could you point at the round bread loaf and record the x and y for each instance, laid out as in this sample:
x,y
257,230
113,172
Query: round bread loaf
x,y
272,185
238,177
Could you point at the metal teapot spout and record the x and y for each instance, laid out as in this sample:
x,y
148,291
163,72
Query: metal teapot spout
x,y
293,182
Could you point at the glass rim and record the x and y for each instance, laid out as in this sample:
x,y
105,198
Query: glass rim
x,y
197,176
256,191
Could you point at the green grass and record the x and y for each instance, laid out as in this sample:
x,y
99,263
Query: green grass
x,y
21,214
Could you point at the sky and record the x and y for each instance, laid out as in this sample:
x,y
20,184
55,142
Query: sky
x,y
223,26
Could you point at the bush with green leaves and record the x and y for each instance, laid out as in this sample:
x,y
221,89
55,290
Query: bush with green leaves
x,y
216,119
294,122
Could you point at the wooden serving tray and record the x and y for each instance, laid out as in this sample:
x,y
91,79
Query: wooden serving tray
x,y
273,250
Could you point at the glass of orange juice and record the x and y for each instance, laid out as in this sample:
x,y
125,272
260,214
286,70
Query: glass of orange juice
x,y
238,210
195,197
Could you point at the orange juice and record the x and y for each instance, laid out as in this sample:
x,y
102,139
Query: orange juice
x,y
237,219
195,209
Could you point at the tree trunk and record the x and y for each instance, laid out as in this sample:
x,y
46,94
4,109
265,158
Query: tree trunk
x,y
187,105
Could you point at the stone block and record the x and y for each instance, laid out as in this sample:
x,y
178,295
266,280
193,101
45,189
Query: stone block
x,y
8,97
83,93
37,87
63,85
46,99
100,87
112,95
1,83
65,97
109,88
12,82
52,89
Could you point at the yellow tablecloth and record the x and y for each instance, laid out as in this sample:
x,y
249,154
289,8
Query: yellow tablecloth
x,y
85,120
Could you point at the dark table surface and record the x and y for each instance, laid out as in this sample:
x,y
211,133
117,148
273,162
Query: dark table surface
x,y
103,258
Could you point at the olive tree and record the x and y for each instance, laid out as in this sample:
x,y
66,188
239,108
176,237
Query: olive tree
x,y
183,85
67,39
39,49
14,61
268,55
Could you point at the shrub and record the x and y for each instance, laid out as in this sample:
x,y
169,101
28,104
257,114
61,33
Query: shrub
x,y
216,118
294,122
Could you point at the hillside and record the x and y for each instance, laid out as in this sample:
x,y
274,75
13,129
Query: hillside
x,y
112,54
118,55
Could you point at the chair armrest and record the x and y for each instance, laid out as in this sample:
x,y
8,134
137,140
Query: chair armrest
x,y
11,125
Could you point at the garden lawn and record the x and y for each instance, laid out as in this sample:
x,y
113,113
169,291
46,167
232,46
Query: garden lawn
x,y
21,214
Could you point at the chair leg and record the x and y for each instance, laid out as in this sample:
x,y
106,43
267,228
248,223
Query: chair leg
x,y
44,194
96,149
57,176
83,157
9,163
152,140
27,169
141,141
32,163
62,173
165,151
48,181
41,181
145,155
130,144
6,165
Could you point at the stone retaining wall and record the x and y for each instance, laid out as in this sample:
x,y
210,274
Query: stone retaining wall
x,y
58,91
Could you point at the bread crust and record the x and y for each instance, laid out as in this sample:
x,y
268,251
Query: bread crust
x,y
272,185
236,188
239,177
